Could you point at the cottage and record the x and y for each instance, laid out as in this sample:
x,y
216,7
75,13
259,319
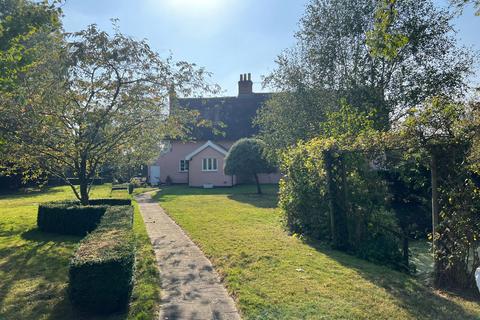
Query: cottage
x,y
200,163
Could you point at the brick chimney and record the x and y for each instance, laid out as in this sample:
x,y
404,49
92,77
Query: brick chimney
x,y
245,85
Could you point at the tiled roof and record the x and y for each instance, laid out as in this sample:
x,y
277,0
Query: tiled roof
x,y
236,113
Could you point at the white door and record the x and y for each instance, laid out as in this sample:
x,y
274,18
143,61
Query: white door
x,y
154,175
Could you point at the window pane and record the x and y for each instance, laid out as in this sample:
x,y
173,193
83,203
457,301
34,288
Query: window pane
x,y
204,165
215,164
187,165
209,163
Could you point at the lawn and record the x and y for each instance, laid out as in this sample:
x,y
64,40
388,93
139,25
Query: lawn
x,y
276,276
34,265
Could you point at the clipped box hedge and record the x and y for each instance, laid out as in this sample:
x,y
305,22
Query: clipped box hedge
x,y
101,270
110,202
68,217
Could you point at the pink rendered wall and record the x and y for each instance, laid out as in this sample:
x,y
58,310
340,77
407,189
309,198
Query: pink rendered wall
x,y
169,162
218,178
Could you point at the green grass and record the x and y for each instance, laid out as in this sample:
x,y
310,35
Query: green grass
x,y
34,265
276,276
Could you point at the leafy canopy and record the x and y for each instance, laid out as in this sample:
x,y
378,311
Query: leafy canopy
x,y
334,59
106,100
246,157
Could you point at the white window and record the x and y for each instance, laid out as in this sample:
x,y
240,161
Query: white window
x,y
209,164
183,167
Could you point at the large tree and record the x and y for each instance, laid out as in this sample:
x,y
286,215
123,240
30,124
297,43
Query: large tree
x,y
333,60
22,24
28,31
107,99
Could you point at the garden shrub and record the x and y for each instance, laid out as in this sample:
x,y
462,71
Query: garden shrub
x,y
302,195
101,270
130,188
356,193
110,202
68,217
458,235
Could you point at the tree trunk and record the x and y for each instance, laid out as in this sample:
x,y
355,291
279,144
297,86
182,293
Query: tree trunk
x,y
259,190
83,179
435,210
337,199
342,223
84,192
331,196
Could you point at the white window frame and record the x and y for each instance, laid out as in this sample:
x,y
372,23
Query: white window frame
x,y
209,164
186,165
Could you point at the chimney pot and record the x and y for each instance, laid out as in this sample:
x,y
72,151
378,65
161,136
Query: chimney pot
x,y
245,85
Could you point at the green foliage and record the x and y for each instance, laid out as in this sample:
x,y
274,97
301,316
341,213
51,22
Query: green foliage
x,y
63,218
130,188
22,22
303,193
332,60
71,218
446,131
384,42
29,33
458,236
409,194
291,116
247,157
105,102
335,195
109,202
101,271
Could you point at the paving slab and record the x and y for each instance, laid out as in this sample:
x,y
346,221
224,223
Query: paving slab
x,y
191,289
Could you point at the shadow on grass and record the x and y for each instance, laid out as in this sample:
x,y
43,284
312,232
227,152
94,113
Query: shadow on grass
x,y
44,237
420,300
265,200
34,271
36,278
242,193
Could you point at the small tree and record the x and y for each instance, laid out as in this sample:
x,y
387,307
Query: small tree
x,y
247,157
107,100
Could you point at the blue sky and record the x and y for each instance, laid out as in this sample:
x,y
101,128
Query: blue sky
x,y
227,37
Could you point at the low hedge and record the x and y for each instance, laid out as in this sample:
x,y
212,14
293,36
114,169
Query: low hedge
x,y
110,202
68,217
101,270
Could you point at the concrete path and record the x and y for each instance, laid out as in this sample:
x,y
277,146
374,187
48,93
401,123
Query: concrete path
x,y
191,289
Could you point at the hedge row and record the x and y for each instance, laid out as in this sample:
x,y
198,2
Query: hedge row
x,y
68,217
101,270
